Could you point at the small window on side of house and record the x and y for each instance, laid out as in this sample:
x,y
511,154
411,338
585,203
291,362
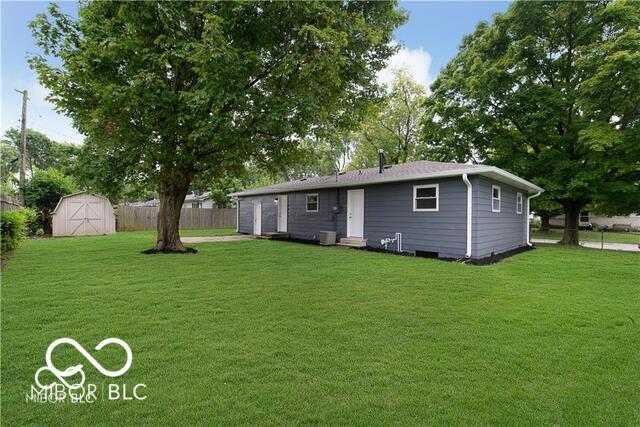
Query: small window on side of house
x,y
519,203
425,198
584,216
312,202
195,205
496,194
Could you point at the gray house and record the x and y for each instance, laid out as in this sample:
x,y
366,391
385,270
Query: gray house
x,y
434,209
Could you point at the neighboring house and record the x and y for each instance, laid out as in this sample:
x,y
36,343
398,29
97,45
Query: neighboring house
x,y
589,220
198,200
433,209
193,200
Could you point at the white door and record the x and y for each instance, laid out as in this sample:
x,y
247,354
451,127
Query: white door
x,y
94,216
355,213
282,213
257,218
75,216
85,216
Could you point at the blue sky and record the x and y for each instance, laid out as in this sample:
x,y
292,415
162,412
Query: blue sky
x,y
430,38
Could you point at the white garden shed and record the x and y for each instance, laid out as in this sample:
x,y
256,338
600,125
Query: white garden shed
x,y
83,214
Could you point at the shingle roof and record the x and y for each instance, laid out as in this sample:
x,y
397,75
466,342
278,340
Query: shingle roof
x,y
423,169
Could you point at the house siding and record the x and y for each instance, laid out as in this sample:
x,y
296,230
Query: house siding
x,y
388,209
496,232
245,213
308,225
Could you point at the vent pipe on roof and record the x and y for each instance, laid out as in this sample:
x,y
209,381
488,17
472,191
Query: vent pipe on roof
x,y
381,160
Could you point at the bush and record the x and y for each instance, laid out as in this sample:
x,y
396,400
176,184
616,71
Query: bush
x,y
12,228
44,190
32,221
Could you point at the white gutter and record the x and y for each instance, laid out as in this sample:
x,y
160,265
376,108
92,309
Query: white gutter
x,y
469,212
526,236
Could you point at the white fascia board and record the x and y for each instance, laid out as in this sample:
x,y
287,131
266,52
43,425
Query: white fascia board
x,y
490,171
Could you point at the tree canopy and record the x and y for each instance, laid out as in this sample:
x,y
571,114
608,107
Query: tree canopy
x,y
176,90
551,92
393,125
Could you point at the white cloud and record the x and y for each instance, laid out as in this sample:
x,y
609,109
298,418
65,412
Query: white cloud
x,y
416,61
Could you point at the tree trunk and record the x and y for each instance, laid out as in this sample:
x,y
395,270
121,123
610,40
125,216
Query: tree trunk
x,y
47,225
544,222
171,199
571,222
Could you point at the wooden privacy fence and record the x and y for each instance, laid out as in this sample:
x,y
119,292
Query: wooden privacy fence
x,y
9,203
130,218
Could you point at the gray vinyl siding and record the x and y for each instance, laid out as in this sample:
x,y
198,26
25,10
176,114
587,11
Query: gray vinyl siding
x,y
308,225
496,232
245,213
388,209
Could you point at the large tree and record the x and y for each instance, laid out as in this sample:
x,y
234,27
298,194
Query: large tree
x,y
393,125
183,89
550,91
42,151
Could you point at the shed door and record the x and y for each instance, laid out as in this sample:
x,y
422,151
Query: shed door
x,y
257,218
94,216
355,213
282,213
75,216
85,216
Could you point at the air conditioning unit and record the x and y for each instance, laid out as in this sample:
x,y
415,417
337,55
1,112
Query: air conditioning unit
x,y
327,238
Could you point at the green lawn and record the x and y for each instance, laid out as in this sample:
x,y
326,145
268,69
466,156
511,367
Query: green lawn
x,y
266,332
591,236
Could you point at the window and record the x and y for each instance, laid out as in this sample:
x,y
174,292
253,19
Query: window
x,y
196,205
584,216
519,203
425,198
312,203
495,198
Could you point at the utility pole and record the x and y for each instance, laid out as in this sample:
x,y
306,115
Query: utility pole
x,y
23,143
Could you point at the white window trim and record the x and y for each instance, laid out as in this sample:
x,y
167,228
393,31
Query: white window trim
x,y
415,193
499,199
519,203
306,202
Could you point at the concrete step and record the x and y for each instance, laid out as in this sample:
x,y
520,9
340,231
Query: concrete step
x,y
352,242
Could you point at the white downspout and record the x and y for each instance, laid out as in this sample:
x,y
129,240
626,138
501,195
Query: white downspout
x,y
527,236
237,214
469,212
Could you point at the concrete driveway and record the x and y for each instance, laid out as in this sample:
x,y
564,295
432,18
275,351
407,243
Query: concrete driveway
x,y
627,247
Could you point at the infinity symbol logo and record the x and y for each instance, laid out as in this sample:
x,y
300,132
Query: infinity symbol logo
x,y
73,370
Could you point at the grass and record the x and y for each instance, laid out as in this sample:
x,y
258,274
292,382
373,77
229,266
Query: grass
x,y
591,236
267,332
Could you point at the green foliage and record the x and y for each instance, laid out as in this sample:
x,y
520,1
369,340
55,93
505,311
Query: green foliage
x,y
12,227
101,170
549,91
175,90
392,125
32,221
44,190
42,152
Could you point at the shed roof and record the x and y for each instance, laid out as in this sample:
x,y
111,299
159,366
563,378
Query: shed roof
x,y
423,169
75,194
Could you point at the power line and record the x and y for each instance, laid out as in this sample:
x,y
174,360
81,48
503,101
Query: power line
x,y
73,139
